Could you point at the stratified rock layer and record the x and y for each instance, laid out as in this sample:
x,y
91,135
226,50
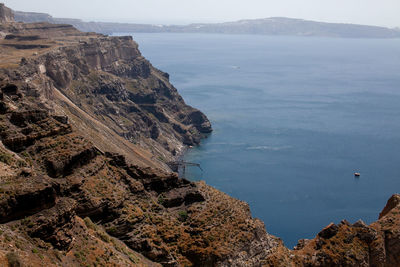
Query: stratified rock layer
x,y
6,14
86,126
57,177
113,95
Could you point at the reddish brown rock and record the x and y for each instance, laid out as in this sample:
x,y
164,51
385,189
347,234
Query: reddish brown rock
x,y
392,203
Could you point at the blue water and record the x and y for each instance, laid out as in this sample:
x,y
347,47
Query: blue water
x,y
293,119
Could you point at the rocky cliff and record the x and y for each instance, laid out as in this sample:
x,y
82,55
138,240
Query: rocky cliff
x,y
114,96
347,244
87,126
6,14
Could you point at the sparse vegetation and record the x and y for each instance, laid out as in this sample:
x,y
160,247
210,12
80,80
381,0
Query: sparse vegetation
x,y
132,258
7,238
161,199
183,215
6,158
13,259
21,164
27,222
112,230
89,223
25,154
103,236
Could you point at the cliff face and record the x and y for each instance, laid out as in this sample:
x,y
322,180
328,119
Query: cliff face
x,y
347,244
6,14
71,106
115,97
108,79
66,202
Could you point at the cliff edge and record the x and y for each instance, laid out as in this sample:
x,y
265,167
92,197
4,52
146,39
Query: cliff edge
x,y
114,96
87,126
6,14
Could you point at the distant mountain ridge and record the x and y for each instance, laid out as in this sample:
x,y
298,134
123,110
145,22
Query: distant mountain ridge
x,y
267,26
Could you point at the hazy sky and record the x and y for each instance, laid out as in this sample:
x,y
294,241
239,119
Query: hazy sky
x,y
373,12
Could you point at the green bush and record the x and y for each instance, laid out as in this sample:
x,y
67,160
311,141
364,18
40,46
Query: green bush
x,y
6,158
183,215
161,199
89,223
13,260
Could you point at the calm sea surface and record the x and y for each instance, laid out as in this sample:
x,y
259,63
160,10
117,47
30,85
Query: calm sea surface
x,y
293,119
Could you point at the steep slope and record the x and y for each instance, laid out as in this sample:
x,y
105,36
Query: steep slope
x,y
109,80
65,199
114,96
6,14
55,183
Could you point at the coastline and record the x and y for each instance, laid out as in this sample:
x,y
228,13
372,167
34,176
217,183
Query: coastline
x,y
66,202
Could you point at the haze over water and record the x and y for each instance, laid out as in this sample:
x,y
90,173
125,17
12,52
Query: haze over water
x,y
293,119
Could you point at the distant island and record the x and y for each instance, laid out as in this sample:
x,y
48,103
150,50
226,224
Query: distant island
x,y
268,26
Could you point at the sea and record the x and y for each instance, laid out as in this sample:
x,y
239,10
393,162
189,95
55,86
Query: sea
x,y
294,118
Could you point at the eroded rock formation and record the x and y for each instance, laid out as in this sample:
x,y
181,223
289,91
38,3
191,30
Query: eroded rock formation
x,y
86,126
65,201
6,14
347,244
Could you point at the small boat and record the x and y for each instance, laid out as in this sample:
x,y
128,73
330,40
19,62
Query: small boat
x,y
357,174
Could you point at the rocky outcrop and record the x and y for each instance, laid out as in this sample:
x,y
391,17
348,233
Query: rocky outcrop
x,y
167,219
392,203
6,14
347,244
